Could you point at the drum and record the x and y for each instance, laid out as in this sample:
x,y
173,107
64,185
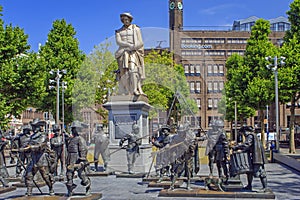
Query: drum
x,y
240,163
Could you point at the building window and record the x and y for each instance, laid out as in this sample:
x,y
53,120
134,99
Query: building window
x,y
191,52
221,86
240,52
186,70
197,40
216,89
280,26
198,102
191,41
186,40
192,70
197,70
216,69
243,27
198,87
214,41
209,87
221,70
237,40
216,103
210,103
209,70
273,27
215,53
192,87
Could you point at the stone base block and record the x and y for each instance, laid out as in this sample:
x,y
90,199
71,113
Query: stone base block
x,y
58,196
128,98
155,179
202,193
165,178
165,184
39,184
98,173
14,179
7,189
126,175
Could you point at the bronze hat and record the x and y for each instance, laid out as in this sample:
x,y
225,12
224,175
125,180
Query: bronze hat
x,y
76,124
126,14
38,122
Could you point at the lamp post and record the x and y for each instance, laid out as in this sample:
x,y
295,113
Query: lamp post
x,y
267,127
57,79
63,87
275,70
235,122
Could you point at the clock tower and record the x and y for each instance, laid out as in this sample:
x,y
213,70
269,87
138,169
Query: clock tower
x,y
175,15
175,26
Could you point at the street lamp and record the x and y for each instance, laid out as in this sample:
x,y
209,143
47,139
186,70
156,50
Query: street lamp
x,y
57,80
235,122
63,87
275,70
267,127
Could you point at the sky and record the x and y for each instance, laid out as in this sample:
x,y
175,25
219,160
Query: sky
x,y
95,21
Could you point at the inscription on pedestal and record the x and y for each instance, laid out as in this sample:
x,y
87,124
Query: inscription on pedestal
x,y
123,124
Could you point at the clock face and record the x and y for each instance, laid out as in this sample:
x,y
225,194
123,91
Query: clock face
x,y
172,5
179,5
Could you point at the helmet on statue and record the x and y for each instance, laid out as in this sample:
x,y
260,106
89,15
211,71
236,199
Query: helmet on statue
x,y
76,124
219,123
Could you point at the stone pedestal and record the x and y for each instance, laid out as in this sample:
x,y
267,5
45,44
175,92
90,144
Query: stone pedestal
x,y
123,112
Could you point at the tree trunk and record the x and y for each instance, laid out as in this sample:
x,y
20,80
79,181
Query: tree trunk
x,y
292,128
262,125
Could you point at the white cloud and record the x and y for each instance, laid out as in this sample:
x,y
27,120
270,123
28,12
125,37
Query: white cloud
x,y
220,8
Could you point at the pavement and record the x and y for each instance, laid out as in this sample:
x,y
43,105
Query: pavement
x,y
283,180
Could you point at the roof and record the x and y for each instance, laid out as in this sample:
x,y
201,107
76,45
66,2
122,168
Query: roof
x,y
279,19
254,18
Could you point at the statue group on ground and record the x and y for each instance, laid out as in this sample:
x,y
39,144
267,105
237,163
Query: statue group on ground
x,y
39,154
176,155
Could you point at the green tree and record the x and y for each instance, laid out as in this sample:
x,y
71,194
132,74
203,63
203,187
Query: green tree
x,y
61,52
96,80
289,74
163,79
260,88
21,80
237,78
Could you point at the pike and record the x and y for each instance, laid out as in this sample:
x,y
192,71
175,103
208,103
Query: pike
x,y
80,165
167,147
22,164
153,159
124,147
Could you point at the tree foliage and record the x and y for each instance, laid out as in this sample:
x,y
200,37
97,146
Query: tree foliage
x,y
237,76
249,82
260,88
21,81
163,79
96,80
61,52
289,74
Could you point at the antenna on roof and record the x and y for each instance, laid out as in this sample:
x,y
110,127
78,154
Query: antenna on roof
x,y
159,43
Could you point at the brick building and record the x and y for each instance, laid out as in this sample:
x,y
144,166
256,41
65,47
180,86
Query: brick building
x,y
203,54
